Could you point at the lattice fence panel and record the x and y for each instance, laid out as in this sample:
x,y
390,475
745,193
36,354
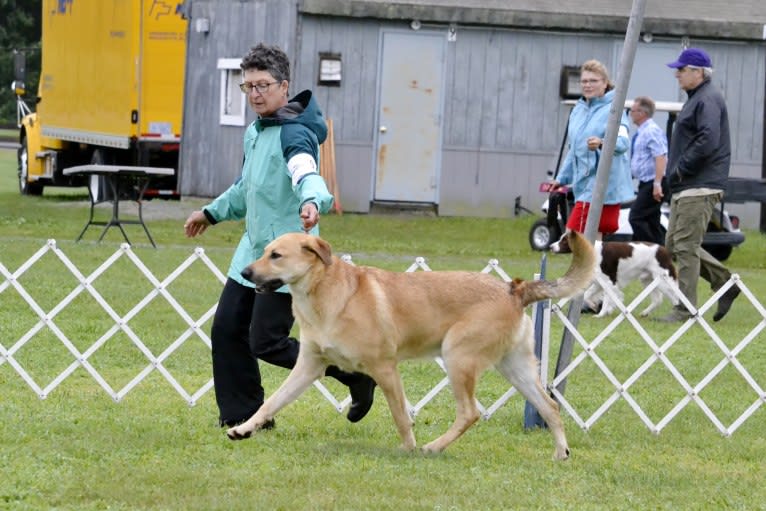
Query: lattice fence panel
x,y
51,316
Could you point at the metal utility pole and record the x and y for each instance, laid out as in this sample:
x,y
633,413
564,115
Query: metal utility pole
x,y
604,165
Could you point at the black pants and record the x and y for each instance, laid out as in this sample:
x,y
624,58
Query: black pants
x,y
645,215
247,327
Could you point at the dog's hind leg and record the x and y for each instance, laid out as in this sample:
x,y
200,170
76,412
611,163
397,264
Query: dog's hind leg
x,y
463,383
520,367
669,287
307,368
390,382
463,361
655,296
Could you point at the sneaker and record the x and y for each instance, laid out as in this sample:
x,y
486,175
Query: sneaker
x,y
724,303
362,395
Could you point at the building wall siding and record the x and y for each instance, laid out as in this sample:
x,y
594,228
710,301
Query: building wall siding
x,y
211,153
503,117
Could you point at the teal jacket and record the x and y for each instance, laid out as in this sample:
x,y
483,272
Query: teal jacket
x,y
269,194
580,165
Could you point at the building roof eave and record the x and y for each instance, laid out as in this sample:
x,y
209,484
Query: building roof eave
x,y
532,19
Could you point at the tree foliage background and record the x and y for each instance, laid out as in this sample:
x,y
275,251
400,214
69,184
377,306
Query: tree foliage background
x,y
20,29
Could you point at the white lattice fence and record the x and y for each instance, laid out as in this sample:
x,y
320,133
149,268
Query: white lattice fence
x,y
47,319
157,360
660,353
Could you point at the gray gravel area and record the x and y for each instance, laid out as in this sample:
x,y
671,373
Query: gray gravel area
x,y
158,209
155,209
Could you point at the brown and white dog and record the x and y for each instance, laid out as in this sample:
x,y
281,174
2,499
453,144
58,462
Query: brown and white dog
x,y
367,319
619,264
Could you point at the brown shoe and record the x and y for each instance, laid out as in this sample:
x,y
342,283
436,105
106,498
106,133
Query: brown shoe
x,y
724,303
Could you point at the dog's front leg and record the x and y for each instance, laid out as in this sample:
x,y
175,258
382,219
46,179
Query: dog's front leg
x,y
307,368
608,305
593,295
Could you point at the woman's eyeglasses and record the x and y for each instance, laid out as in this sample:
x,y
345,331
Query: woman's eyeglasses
x,y
260,88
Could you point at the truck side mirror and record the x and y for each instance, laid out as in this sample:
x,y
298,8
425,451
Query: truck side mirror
x,y
19,72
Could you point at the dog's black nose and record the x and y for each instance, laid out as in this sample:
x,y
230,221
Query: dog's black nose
x,y
247,273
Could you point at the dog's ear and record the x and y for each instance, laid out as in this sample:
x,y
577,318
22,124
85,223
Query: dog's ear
x,y
321,248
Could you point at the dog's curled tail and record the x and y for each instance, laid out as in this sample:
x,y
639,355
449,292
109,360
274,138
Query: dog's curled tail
x,y
576,279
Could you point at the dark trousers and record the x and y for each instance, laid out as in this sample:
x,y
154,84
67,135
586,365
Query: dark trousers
x,y
247,327
645,216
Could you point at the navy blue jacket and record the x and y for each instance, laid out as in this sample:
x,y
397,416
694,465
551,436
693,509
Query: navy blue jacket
x,y
700,148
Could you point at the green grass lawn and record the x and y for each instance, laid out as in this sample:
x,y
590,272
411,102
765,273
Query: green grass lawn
x,y
9,134
78,449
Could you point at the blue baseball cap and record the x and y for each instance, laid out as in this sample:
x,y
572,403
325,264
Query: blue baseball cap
x,y
692,57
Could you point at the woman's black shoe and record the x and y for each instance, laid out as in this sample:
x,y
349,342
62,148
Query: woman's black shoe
x,y
362,395
269,424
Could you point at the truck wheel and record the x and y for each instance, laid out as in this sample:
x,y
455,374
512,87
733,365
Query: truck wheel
x,y
720,252
26,187
541,236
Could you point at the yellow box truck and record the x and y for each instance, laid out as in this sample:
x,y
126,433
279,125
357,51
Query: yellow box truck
x,y
110,92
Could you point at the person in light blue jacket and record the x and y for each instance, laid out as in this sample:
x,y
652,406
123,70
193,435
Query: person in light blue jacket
x,y
279,191
586,132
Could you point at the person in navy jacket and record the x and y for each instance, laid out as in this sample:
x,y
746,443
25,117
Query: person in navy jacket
x,y
698,169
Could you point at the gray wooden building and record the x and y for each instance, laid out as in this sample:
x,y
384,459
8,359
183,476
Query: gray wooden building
x,y
455,104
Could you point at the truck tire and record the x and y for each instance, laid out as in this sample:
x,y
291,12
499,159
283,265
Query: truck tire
x,y
26,187
720,252
541,236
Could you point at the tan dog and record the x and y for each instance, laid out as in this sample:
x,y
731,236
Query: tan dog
x,y
367,319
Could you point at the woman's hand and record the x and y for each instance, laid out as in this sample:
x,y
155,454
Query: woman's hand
x,y
595,143
309,216
196,224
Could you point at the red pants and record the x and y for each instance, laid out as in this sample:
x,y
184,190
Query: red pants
x,y
609,222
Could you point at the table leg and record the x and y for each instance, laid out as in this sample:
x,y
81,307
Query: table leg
x,y
90,218
114,184
140,211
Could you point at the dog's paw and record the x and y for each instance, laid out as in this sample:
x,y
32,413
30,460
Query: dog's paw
x,y
431,448
562,455
238,433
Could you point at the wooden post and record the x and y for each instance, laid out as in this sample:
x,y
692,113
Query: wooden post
x,y
327,166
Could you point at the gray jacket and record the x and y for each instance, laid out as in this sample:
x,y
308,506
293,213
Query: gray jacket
x,y
700,148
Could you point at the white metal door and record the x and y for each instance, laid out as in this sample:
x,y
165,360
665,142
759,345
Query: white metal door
x,y
408,144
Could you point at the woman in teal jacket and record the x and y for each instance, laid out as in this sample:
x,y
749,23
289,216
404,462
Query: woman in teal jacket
x,y
279,191
586,132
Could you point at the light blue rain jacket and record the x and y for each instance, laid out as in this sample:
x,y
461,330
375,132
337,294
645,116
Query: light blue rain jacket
x,y
579,168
